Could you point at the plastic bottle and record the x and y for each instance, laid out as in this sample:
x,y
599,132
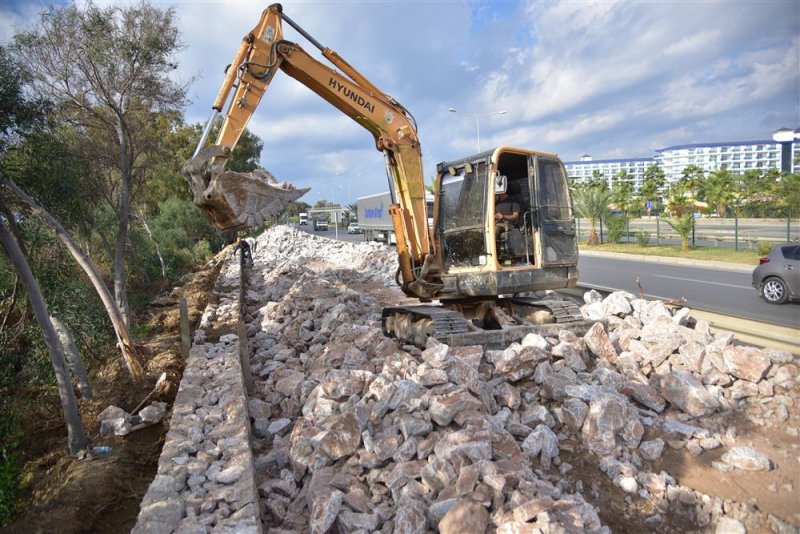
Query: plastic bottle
x,y
102,450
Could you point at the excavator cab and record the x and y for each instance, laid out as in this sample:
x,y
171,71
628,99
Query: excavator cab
x,y
484,257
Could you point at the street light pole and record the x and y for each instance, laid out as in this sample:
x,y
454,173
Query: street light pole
x,y
478,121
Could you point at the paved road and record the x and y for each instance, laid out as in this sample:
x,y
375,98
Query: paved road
x,y
331,234
710,289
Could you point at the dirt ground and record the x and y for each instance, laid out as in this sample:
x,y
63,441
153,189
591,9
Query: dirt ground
x,y
101,495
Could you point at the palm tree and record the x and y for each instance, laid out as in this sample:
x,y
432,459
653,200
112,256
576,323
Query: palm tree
x,y
677,201
652,184
590,203
622,192
720,190
683,226
693,176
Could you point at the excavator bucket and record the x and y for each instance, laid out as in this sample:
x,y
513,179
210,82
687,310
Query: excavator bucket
x,y
236,200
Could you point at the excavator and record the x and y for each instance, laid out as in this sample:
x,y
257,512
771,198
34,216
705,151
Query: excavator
x,y
478,275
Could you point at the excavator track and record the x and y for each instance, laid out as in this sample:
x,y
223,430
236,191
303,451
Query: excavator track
x,y
563,311
415,324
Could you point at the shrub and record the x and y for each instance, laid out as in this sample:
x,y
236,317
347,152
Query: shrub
x,y
616,227
10,464
643,238
764,248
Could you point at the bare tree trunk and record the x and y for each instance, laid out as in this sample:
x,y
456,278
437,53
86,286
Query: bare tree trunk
x,y
124,340
119,275
158,248
76,435
123,215
74,357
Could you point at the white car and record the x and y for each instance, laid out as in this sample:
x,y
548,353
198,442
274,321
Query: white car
x,y
353,229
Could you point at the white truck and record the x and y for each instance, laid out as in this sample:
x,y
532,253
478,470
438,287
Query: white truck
x,y
303,219
374,219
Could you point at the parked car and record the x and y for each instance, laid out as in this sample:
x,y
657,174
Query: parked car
x,y
353,229
777,277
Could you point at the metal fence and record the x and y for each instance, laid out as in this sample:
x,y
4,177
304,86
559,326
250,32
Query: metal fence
x,y
733,232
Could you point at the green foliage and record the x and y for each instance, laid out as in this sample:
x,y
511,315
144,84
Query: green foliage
x,y
185,236
294,209
247,152
622,194
788,191
719,189
19,113
591,202
683,227
643,238
616,227
69,296
10,462
764,248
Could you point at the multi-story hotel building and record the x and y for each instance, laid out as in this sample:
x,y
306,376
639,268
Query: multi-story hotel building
x,y
781,153
585,169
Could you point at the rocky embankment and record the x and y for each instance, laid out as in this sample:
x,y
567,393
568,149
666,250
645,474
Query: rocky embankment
x,y
355,432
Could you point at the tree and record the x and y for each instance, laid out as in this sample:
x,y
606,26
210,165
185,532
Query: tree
x,y
108,71
598,180
693,175
677,199
247,153
622,193
758,196
653,182
76,435
683,226
123,337
788,189
719,189
19,114
591,202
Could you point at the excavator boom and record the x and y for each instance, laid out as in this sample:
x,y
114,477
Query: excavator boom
x,y
233,200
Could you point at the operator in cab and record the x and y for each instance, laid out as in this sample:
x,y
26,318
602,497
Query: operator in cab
x,y
506,209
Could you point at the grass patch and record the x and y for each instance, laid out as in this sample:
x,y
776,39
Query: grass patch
x,y
747,257
141,331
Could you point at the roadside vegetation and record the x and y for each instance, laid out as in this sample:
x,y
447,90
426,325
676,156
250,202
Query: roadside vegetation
x,y
93,205
729,255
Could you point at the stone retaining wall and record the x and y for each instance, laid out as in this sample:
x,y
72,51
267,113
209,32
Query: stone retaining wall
x,y
206,478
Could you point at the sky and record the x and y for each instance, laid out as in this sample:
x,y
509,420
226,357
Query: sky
x,y
612,79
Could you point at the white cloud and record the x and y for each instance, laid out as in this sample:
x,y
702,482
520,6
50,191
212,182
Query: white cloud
x,y
611,78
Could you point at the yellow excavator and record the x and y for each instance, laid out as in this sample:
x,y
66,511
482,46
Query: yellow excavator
x,y
481,267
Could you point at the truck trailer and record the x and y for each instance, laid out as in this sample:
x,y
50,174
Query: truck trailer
x,y
374,219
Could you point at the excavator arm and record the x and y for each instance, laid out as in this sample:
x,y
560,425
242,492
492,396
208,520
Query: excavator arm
x,y
261,54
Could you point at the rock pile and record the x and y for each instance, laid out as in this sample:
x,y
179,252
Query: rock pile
x,y
360,433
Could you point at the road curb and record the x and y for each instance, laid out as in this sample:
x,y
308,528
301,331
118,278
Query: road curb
x,y
703,264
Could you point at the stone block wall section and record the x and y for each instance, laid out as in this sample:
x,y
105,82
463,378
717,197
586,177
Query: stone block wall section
x,y
206,477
